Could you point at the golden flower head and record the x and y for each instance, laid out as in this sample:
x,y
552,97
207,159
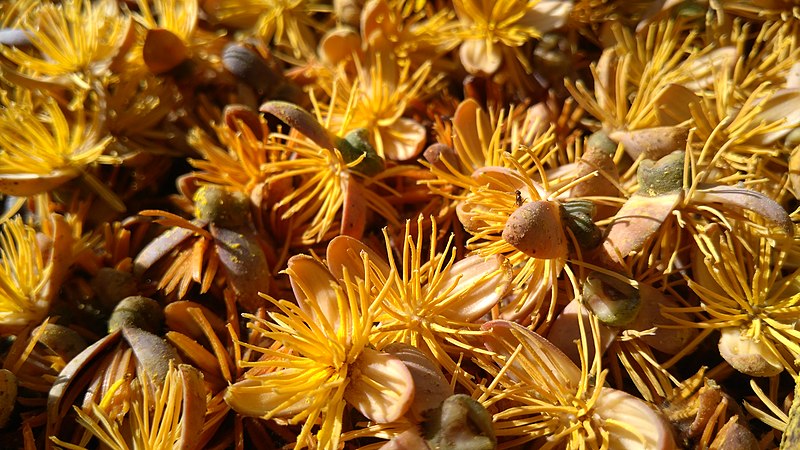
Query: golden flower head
x,y
431,301
321,359
77,40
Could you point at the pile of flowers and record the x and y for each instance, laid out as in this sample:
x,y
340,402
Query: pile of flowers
x,y
399,224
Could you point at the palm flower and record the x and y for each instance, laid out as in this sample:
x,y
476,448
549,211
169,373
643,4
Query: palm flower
x,y
641,86
377,100
335,177
493,32
408,31
550,401
42,148
321,359
162,415
76,42
431,302
30,280
745,295
237,165
496,171
288,24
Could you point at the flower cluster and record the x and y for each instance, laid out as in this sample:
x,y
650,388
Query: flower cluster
x,y
391,224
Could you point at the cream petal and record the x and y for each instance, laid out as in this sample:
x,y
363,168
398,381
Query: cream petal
x,y
783,105
339,44
250,398
430,385
504,336
193,410
673,104
645,428
479,58
403,140
312,282
345,252
703,69
564,332
376,24
747,355
482,282
547,15
381,387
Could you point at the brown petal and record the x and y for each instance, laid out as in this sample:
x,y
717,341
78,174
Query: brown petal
x,y
245,265
193,410
748,199
163,50
653,143
381,387
354,210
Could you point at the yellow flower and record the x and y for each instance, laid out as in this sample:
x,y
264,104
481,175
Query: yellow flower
x,y
377,100
494,29
550,401
328,187
430,302
321,359
745,295
28,281
498,169
161,417
77,40
40,149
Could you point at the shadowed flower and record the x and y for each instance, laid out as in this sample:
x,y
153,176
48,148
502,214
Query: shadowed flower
x,y
30,277
41,148
495,30
496,172
76,41
168,416
321,359
289,24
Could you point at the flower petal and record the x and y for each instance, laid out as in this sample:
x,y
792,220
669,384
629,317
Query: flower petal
x,y
504,336
312,282
644,427
480,58
381,387
403,140
345,252
482,282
